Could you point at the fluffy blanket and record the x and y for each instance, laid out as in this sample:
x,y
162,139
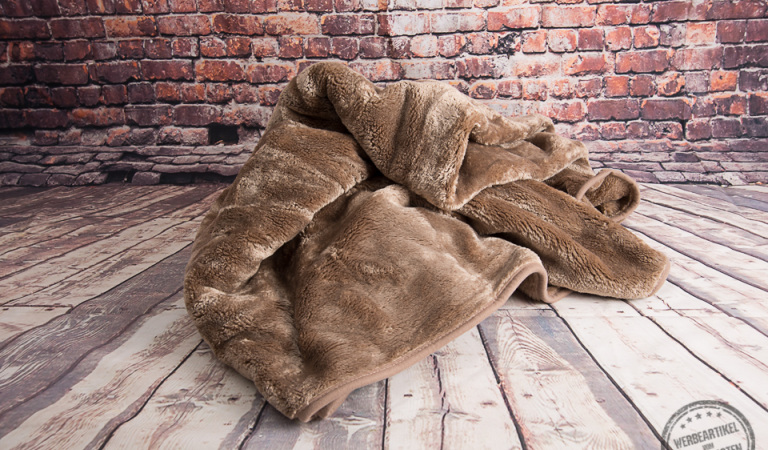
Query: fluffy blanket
x,y
373,225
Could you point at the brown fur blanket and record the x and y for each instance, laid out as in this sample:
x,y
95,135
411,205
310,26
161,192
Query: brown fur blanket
x,y
372,225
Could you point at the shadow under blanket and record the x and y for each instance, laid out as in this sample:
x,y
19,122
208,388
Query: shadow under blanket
x,y
372,225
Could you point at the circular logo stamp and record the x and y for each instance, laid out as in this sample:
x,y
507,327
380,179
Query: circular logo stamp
x,y
708,425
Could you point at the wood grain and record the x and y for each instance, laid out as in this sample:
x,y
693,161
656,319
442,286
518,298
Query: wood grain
x,y
16,320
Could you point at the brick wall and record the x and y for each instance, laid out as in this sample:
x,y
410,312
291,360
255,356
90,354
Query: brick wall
x,y
153,91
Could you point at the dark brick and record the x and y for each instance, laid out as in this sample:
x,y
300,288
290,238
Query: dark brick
x,y
731,31
130,26
76,50
91,27
141,93
167,70
642,61
745,56
64,97
343,24
665,109
185,25
158,48
623,109
62,73
103,50
757,30
99,117
114,94
237,24
730,9
46,118
115,72
24,29
16,74
292,46
259,73
12,96
726,128
755,126
758,103
218,93
148,115
155,6
89,95
37,97
216,70
130,49
320,47
344,47
184,47
196,115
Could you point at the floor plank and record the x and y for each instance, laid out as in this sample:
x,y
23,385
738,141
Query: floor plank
x,y
16,320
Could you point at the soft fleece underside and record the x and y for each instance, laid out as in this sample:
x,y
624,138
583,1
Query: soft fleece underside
x,y
373,225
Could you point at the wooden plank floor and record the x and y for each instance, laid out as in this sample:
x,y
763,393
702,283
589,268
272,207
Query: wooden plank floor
x,y
96,350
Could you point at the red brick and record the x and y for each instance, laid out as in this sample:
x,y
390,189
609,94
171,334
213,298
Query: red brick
x,y
589,88
76,50
568,16
210,5
670,11
757,30
382,70
16,74
565,111
562,40
697,58
483,90
536,67
289,5
319,5
613,130
218,93
141,93
268,95
22,51
667,130
317,47
731,31
99,117
637,130
62,73
450,45
348,5
665,109
184,47
745,56
744,9
510,88
696,130
167,92
246,93
184,25
264,46
344,47
730,104
616,86
155,6
424,46
89,95
723,80
115,72
646,37
11,96
726,128
237,24
130,49
113,94
623,109
72,7
642,61
534,41
618,38
670,83
212,47
182,6
373,47
450,22
196,115
158,48
238,46
90,27
269,73
216,70
561,88
419,69
130,26
614,14
237,6
479,43
590,39
167,70
758,103
192,93
292,23
263,6
344,24
24,29
535,90
700,33
46,118
37,96
514,18
64,97
585,63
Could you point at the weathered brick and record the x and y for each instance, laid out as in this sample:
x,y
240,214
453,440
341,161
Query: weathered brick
x,y
167,70
148,115
113,95
424,46
130,49
192,93
697,58
653,109
643,61
755,127
89,95
62,73
344,47
216,70
114,72
573,111
696,82
757,30
98,117
130,26
618,38
568,16
182,6
184,47
90,27
729,9
263,6
212,47
428,69
218,93
76,50
700,33
731,31
745,56
534,41
483,90
730,104
696,130
237,24
514,18
560,41
475,67
24,29
184,25
590,39
158,48
589,87
614,14
64,97
616,86
646,37
450,45
670,83
269,73
16,74
620,109
510,88
381,70
670,11
478,43
585,63
535,90
292,23
613,131
726,128
141,93
45,118
758,103
722,80
344,24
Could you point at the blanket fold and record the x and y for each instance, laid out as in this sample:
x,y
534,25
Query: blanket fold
x,y
372,225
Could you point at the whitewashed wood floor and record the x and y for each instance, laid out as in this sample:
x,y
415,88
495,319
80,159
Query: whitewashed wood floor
x,y
96,350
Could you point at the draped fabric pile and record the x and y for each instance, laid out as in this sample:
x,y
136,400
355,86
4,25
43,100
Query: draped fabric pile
x,y
373,225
